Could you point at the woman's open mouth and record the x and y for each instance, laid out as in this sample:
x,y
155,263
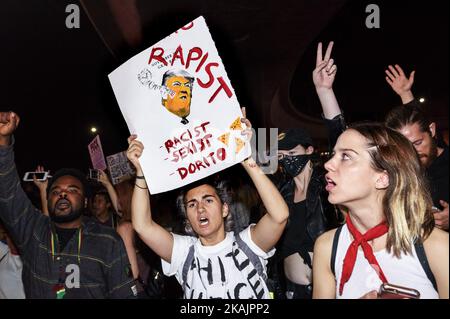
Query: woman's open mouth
x,y
330,184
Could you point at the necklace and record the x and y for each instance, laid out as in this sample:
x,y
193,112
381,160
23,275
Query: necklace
x,y
53,245
59,288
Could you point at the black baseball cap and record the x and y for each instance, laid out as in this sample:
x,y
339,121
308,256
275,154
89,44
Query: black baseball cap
x,y
290,138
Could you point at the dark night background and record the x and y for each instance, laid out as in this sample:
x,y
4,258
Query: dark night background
x,y
56,78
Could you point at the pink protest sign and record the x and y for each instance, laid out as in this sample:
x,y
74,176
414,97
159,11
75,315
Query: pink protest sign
x,y
96,153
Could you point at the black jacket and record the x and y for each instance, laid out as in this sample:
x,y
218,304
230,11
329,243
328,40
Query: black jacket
x,y
320,214
438,176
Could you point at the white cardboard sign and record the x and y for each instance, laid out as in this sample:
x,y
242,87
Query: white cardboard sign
x,y
177,98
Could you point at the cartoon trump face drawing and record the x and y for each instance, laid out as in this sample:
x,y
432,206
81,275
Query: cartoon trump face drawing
x,y
177,97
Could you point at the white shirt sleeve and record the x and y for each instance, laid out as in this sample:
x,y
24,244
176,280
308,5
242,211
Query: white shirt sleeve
x,y
247,238
180,250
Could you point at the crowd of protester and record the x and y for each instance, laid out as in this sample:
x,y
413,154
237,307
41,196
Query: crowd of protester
x,y
374,212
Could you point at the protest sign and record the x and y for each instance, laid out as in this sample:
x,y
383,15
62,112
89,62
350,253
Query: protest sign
x,y
177,98
120,169
96,153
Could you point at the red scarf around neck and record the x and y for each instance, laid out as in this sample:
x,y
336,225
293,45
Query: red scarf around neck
x,y
352,252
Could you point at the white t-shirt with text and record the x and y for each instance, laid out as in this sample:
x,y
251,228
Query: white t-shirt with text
x,y
220,271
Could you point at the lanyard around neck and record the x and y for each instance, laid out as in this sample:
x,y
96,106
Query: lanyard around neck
x,y
53,245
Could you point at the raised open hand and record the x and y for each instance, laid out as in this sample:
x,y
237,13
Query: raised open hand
x,y
398,80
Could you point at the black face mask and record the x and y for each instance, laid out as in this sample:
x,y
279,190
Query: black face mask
x,y
62,219
294,165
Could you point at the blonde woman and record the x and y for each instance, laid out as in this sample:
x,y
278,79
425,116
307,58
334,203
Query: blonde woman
x,y
389,236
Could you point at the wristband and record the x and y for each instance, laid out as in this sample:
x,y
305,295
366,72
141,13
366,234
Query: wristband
x,y
140,186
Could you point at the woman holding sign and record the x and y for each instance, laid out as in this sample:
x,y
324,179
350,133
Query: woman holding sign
x,y
214,262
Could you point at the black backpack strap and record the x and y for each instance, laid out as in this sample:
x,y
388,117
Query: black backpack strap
x,y
334,249
187,264
7,250
254,259
420,251
3,256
